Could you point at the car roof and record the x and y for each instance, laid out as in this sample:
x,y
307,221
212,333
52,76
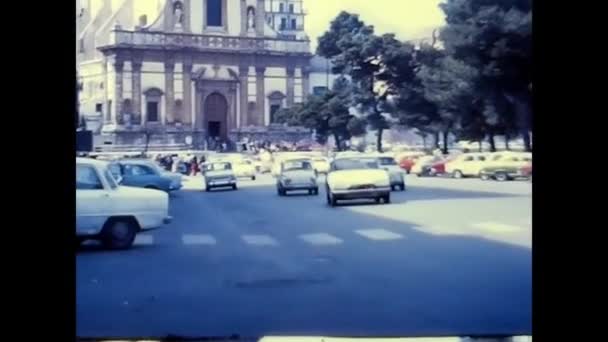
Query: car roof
x,y
91,161
296,159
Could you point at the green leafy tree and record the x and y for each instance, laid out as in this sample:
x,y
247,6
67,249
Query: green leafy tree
x,y
356,51
495,37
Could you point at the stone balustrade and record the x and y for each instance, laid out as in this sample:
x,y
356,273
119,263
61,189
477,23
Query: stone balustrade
x,y
208,42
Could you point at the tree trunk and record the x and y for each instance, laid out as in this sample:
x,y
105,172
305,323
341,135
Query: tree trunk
x,y
492,142
445,142
507,141
480,146
338,144
424,142
379,140
435,140
527,144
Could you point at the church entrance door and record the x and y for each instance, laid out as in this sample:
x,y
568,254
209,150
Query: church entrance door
x,y
216,116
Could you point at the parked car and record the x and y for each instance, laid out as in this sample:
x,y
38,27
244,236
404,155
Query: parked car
x,y
526,171
218,174
466,165
113,213
144,174
438,167
353,178
297,174
320,164
406,163
505,166
396,174
244,168
422,167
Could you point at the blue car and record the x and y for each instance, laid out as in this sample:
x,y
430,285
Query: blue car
x,y
143,174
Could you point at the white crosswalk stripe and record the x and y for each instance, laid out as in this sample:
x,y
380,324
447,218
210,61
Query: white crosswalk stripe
x,y
321,239
497,227
379,234
198,239
143,240
260,240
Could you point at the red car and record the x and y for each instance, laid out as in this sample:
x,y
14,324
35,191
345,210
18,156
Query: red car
x,y
407,163
526,171
438,168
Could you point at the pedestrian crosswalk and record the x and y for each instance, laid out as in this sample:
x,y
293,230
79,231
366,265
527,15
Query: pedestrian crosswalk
x,y
322,239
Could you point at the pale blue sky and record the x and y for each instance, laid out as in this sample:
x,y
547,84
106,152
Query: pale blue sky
x,y
409,19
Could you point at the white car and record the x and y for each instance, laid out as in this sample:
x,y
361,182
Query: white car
x,y
297,174
112,213
466,165
320,164
243,168
218,174
353,178
396,174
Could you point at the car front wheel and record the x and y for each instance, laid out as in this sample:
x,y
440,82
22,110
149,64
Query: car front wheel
x,y
457,174
501,177
119,234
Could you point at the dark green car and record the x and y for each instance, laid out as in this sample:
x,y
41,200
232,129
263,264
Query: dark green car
x,y
506,166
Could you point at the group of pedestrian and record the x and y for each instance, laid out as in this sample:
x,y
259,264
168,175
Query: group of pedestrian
x,y
188,165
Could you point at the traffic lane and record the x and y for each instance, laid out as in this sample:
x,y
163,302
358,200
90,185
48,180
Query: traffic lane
x,y
450,284
516,187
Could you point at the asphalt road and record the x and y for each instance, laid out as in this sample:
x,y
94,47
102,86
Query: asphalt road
x,y
447,257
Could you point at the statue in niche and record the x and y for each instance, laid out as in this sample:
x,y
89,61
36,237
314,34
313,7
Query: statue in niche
x,y
250,18
178,13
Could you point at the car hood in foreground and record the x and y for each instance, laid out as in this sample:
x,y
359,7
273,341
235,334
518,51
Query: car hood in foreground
x,y
141,193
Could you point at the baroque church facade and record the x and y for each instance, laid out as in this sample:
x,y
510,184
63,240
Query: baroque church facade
x,y
181,72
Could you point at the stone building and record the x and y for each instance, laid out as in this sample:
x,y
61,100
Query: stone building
x,y
181,72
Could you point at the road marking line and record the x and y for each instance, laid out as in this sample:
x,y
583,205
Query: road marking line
x,y
496,227
200,239
143,239
379,234
321,239
259,240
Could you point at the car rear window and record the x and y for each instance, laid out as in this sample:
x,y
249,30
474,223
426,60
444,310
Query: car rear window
x,y
87,178
354,164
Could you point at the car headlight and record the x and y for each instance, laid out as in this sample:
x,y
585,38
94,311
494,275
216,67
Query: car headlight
x,y
287,180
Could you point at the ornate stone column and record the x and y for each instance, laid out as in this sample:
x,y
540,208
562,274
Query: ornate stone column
x,y
169,91
231,107
260,93
260,13
187,90
305,82
136,64
117,104
243,17
105,110
290,85
244,86
186,23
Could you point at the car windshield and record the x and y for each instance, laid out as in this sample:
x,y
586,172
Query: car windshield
x,y
110,178
387,161
294,165
217,167
355,164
